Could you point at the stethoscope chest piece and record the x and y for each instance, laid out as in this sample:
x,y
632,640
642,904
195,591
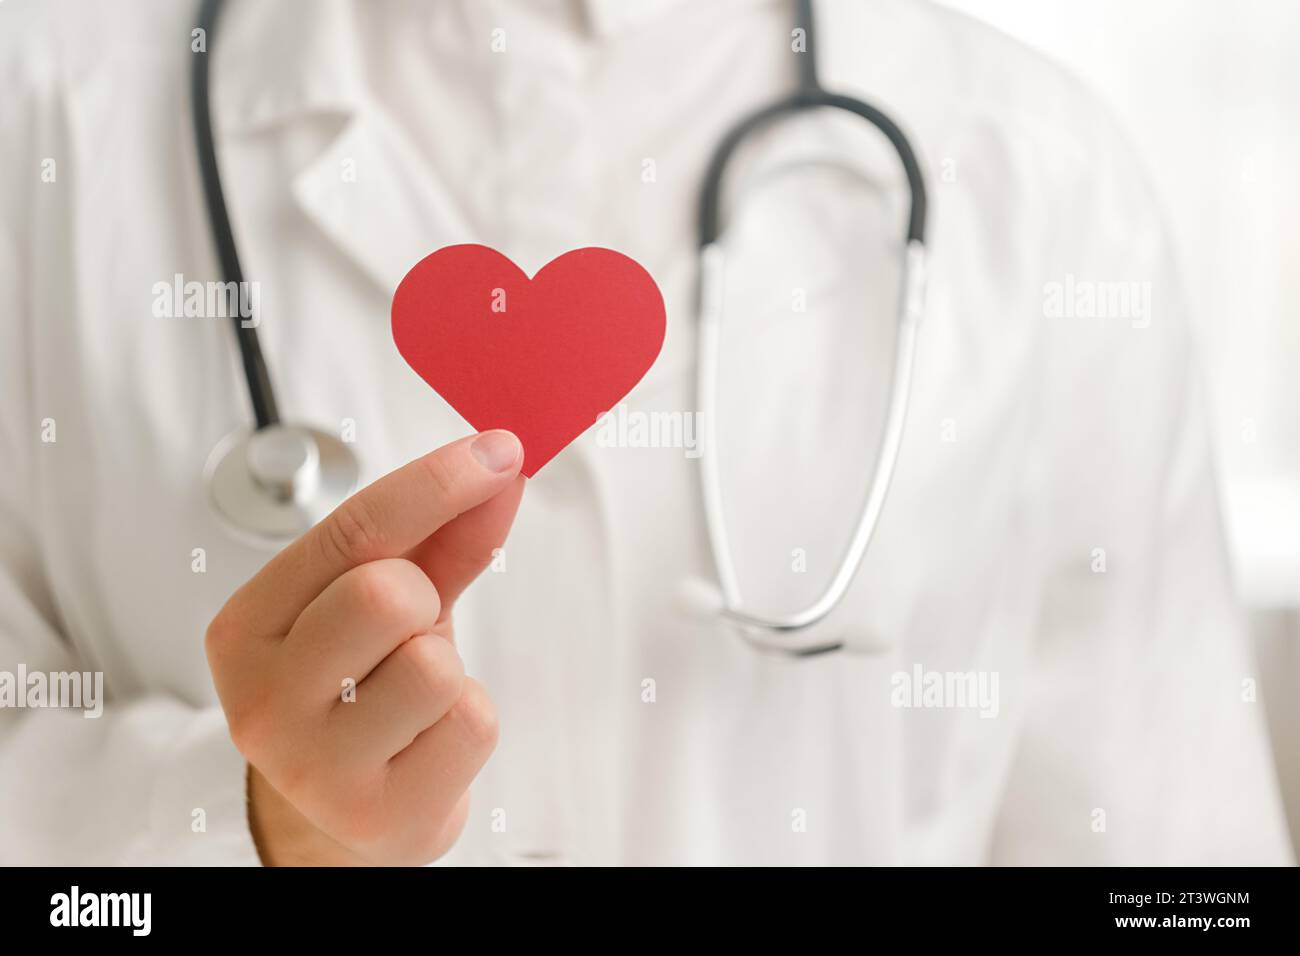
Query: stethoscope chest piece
x,y
271,484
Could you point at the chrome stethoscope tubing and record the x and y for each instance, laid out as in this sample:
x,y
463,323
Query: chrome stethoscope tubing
x,y
776,631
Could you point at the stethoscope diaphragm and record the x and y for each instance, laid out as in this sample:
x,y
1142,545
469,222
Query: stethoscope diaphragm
x,y
269,485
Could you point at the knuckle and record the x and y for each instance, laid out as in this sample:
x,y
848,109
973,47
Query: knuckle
x,y
440,474
354,532
214,640
432,840
477,715
217,638
377,591
434,667
451,828
248,731
396,592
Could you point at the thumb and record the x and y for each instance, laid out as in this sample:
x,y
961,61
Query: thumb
x,y
387,519
458,552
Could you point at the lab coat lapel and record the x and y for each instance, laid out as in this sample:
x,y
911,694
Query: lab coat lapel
x,y
368,190
373,196
275,63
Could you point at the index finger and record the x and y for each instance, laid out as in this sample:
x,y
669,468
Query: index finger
x,y
383,520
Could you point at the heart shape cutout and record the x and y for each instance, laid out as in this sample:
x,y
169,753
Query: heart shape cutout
x,y
542,357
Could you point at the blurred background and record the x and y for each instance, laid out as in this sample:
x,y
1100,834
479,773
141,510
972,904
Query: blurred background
x,y
1210,94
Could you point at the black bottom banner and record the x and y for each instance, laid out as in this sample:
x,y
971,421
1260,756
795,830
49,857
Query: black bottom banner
x,y
617,907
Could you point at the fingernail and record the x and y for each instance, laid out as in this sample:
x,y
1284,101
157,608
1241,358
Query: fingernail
x,y
496,451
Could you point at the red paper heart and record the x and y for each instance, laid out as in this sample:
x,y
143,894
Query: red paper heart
x,y
542,357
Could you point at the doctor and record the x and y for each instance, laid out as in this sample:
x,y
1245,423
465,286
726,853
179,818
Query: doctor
x,y
1052,531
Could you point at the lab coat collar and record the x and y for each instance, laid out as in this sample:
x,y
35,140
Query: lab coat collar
x,y
299,60
284,63
368,190
278,61
274,62
608,17
372,194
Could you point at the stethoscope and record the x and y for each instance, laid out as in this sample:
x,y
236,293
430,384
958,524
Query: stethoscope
x,y
795,632
270,482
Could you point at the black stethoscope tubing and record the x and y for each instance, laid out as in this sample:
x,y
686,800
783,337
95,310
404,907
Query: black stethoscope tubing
x,y
810,95
260,390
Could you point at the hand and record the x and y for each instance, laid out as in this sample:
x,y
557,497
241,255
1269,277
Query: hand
x,y
367,596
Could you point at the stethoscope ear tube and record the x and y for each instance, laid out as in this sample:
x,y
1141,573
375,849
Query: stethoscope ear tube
x,y
710,208
781,632
795,633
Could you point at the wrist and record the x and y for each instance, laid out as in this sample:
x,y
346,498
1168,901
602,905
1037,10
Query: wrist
x,y
283,836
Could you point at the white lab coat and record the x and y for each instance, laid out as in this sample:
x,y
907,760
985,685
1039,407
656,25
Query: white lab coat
x,y
1039,449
